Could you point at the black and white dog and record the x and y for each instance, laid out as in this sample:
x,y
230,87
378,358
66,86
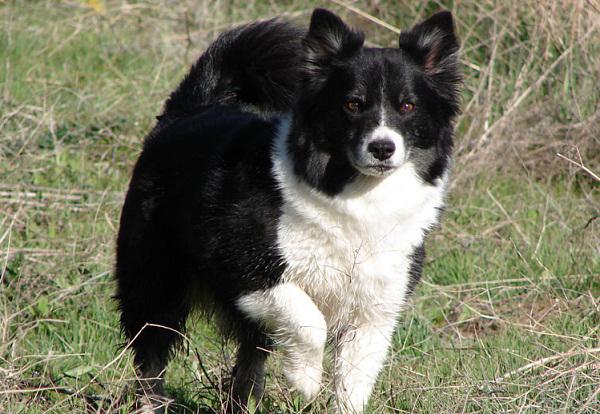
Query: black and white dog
x,y
288,186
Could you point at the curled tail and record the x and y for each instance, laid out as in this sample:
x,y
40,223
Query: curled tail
x,y
252,66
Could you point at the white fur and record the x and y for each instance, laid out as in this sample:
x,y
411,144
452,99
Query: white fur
x,y
348,260
429,39
298,327
361,352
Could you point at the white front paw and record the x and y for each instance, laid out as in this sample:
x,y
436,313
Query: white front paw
x,y
306,379
352,398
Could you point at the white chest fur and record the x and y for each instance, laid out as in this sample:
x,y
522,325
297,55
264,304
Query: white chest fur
x,y
351,253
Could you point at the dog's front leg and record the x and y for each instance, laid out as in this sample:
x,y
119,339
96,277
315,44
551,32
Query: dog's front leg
x,y
298,328
360,353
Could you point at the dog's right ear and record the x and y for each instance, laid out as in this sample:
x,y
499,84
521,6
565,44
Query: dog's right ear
x,y
328,40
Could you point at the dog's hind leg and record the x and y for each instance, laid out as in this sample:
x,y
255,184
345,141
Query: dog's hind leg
x,y
248,378
297,327
153,336
153,313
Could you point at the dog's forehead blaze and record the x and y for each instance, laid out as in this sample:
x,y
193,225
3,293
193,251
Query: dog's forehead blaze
x,y
384,69
365,74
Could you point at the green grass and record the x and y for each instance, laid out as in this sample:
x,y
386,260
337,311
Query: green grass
x,y
512,278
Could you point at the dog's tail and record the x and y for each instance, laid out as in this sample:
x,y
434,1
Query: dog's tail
x,y
252,66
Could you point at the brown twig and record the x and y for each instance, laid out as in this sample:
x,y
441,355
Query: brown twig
x,y
541,362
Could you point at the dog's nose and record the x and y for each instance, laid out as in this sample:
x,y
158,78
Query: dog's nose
x,y
382,149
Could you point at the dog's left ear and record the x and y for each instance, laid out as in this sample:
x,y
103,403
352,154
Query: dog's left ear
x,y
434,46
433,43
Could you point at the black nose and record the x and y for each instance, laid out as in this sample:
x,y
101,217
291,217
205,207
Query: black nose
x,y
382,149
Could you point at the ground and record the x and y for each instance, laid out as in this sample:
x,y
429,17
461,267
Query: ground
x,y
507,316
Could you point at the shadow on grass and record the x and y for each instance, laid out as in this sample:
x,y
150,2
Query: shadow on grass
x,y
184,404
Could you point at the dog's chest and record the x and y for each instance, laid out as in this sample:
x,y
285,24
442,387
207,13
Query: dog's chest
x,y
352,254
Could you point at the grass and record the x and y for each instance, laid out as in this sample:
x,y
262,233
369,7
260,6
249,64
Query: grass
x,y
507,316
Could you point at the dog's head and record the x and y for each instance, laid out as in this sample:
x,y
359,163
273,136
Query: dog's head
x,y
368,111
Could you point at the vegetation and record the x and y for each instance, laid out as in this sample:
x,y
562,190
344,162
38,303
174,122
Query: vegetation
x,y
507,317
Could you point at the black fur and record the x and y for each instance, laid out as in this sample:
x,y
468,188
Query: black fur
x,y
198,193
253,67
200,190
199,223
416,268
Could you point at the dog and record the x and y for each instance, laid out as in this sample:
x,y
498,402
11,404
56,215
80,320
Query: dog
x,y
288,188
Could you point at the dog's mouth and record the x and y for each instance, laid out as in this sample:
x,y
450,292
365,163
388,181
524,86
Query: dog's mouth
x,y
373,168
377,170
381,169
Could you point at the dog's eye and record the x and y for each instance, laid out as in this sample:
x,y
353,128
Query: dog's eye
x,y
406,107
353,106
